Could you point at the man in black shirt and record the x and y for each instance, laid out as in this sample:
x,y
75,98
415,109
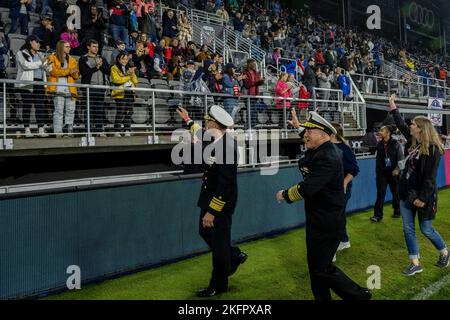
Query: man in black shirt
x,y
322,189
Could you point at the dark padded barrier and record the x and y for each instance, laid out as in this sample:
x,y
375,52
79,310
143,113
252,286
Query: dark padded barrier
x,y
115,230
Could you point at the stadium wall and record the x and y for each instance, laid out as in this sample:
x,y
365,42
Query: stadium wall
x,y
115,230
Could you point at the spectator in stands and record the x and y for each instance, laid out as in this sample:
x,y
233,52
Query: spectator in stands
x,y
146,18
218,61
224,14
283,89
18,12
133,17
32,66
303,105
203,54
231,86
85,13
46,32
185,28
325,79
191,52
177,47
4,49
309,79
59,8
369,72
120,48
170,26
319,58
64,71
188,74
238,22
70,35
176,68
123,76
142,61
94,70
118,21
93,28
276,56
252,82
210,7
389,153
344,83
418,190
160,67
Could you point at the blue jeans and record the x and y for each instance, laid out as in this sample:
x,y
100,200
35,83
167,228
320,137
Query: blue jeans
x,y
348,194
426,228
119,33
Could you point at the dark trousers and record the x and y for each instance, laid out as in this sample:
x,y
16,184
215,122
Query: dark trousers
x,y
97,109
38,99
383,180
348,194
323,273
124,110
224,254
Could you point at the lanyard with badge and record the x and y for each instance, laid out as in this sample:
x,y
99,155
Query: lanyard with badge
x,y
402,163
387,160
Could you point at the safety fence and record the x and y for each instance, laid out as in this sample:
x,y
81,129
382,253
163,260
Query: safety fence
x,y
404,87
86,112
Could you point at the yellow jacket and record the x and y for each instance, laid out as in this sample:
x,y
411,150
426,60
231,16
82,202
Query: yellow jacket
x,y
57,71
118,79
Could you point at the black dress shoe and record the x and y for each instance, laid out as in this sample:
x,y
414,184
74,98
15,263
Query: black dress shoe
x,y
376,219
208,292
235,264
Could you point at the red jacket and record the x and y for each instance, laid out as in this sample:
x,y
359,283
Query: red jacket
x,y
319,57
303,94
252,82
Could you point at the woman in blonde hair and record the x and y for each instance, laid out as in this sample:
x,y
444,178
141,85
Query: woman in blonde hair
x,y
64,71
418,189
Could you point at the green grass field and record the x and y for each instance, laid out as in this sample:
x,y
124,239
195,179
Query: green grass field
x,y
277,269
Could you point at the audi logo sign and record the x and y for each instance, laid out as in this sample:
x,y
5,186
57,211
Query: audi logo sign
x,y
420,15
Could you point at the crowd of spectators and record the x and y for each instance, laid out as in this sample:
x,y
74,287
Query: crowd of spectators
x,y
322,54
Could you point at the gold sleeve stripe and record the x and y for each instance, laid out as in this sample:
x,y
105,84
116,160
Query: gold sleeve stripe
x,y
218,201
216,207
293,193
194,128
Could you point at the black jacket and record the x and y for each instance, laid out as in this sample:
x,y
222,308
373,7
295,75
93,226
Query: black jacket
x,y
87,72
309,79
322,189
218,194
394,153
427,167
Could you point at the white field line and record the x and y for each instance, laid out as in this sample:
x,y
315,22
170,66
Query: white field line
x,y
432,289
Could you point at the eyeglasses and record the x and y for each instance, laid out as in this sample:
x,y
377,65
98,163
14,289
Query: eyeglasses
x,y
66,46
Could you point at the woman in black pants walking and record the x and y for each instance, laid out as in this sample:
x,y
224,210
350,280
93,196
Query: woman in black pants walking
x,y
389,152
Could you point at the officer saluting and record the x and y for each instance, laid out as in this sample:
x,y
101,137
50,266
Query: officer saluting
x,y
322,189
218,197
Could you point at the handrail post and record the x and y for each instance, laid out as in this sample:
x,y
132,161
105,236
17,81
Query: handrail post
x,y
4,114
88,107
153,117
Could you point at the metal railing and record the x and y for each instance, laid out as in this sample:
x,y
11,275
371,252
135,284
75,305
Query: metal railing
x,y
142,112
382,86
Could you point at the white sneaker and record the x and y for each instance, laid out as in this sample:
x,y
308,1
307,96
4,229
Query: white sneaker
x,y
117,134
42,132
127,134
28,133
343,245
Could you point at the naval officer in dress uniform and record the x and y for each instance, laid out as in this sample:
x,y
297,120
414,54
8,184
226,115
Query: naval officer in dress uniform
x,y
218,196
322,189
